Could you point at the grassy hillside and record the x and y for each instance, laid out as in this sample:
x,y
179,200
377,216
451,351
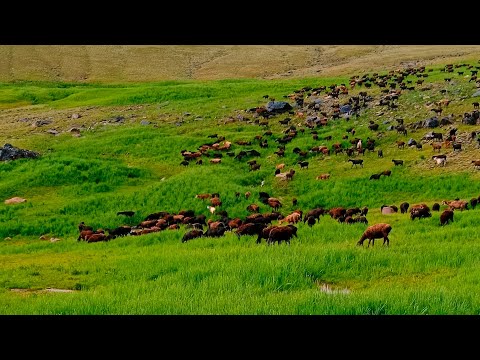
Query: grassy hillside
x,y
110,147
128,63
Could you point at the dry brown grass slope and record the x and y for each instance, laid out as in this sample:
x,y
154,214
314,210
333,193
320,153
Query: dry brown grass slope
x,y
126,63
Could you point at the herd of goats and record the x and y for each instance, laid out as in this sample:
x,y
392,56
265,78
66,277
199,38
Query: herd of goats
x,y
314,112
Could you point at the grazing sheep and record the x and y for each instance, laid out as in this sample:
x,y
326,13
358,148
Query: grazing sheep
x,y
292,218
404,207
440,159
356,162
203,196
234,223
397,162
282,233
376,231
211,209
473,202
95,237
192,234
420,211
84,234
361,219
436,207
215,201
380,153
384,209
323,177
375,176
456,204
316,213
249,229
253,208
119,231
445,216
274,203
265,233
311,221
476,163
336,212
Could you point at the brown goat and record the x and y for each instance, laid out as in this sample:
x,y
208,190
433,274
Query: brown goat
x,y
376,231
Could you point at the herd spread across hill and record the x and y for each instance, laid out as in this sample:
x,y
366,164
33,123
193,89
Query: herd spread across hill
x,y
310,110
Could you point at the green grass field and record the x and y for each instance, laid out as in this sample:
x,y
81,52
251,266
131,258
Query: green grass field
x,y
128,157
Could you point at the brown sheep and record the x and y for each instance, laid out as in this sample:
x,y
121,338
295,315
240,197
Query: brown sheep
x,y
192,234
82,227
249,229
335,213
253,208
316,213
282,233
84,234
235,223
215,202
456,204
274,203
265,233
376,231
445,216
361,219
323,177
203,196
96,237
215,224
419,211
293,218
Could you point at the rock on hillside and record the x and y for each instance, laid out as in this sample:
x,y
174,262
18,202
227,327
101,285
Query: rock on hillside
x,y
9,152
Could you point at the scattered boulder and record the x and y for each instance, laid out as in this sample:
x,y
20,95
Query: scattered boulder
x,y
9,152
431,123
39,123
278,106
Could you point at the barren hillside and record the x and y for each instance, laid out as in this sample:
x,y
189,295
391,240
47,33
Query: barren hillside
x,y
125,63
